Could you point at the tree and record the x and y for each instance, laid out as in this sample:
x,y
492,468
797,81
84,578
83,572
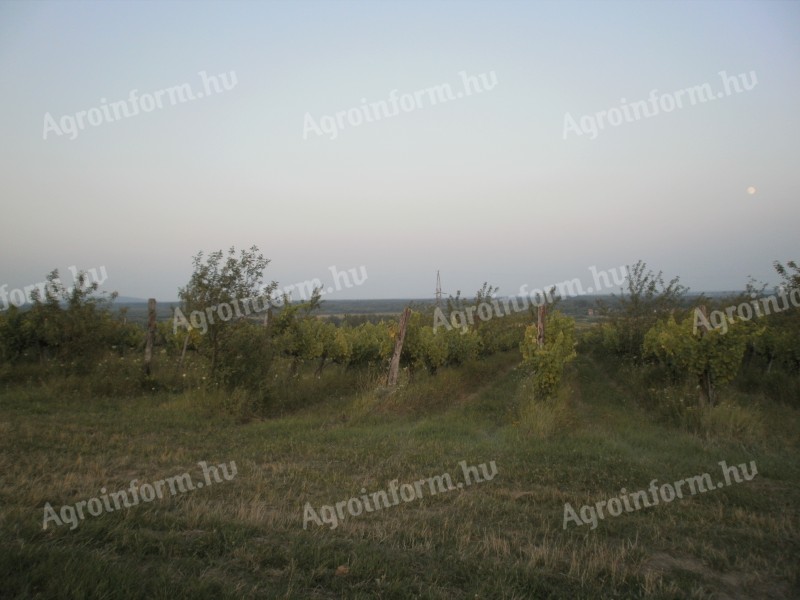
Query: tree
x,y
73,324
646,300
15,337
781,341
219,287
790,279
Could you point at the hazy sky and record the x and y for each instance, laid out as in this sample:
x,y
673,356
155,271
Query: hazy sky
x,y
483,187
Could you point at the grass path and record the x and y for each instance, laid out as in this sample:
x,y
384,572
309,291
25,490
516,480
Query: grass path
x,y
498,539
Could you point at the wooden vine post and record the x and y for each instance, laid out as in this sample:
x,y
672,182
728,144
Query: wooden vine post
x,y
151,334
540,326
706,383
394,366
183,352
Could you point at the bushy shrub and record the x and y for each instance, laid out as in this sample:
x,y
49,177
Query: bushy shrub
x,y
369,344
548,362
713,358
245,358
69,330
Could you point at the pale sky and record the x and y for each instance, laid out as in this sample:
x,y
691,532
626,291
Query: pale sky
x,y
484,187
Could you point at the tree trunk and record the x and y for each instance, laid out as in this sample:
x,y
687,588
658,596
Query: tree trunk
x,y
322,360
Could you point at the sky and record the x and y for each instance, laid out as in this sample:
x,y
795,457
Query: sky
x,y
534,177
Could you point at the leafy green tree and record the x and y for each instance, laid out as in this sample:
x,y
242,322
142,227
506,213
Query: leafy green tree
x,y
776,340
790,273
247,359
73,325
783,328
16,339
218,287
646,299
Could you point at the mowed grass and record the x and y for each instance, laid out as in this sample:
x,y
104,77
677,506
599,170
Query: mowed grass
x,y
503,538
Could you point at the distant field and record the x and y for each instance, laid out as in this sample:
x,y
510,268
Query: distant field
x,y
575,307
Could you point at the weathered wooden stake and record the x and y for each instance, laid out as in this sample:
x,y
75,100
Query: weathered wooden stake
x,y
183,352
706,384
394,367
540,326
267,316
151,334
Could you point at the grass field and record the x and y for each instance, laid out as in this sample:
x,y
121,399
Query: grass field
x,y
503,538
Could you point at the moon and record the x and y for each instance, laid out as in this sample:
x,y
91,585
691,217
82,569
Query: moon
x,y
751,190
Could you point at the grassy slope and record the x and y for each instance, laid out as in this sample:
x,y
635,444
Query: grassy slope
x,y
498,539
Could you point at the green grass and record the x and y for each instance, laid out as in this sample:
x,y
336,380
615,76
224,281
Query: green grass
x,y
498,539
